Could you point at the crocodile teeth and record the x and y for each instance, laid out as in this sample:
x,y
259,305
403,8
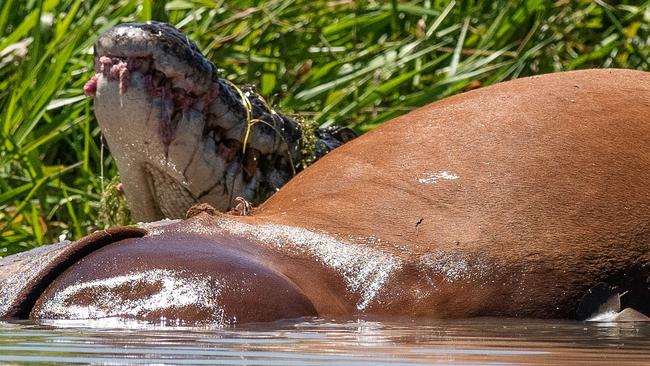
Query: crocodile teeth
x,y
177,132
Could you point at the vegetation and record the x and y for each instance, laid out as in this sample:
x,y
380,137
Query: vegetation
x,y
355,63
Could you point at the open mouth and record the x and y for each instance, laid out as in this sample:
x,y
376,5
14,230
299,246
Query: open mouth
x,y
179,133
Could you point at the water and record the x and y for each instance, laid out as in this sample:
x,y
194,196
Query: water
x,y
317,342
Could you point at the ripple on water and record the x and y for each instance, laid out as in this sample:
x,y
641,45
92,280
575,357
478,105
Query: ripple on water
x,y
316,342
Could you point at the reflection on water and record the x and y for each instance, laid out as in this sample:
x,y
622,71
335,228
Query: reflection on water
x,y
317,342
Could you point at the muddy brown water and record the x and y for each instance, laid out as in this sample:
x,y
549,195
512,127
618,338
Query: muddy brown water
x,y
320,341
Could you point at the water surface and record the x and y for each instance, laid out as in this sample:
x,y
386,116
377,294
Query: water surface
x,y
317,342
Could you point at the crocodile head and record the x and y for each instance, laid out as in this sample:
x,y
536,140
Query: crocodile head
x,y
179,133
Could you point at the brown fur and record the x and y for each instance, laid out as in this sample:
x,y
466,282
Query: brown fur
x,y
553,191
230,271
24,276
512,200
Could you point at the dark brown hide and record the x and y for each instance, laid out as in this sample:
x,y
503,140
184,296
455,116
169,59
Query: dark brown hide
x,y
24,276
511,200
222,282
543,183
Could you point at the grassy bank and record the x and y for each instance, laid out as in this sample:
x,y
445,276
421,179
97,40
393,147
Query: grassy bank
x,y
355,63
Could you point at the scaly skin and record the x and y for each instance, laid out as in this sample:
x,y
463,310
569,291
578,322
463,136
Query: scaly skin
x,y
529,198
176,130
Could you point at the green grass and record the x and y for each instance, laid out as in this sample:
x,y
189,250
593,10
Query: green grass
x,y
355,63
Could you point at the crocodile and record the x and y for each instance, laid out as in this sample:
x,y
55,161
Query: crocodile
x,y
182,135
528,198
